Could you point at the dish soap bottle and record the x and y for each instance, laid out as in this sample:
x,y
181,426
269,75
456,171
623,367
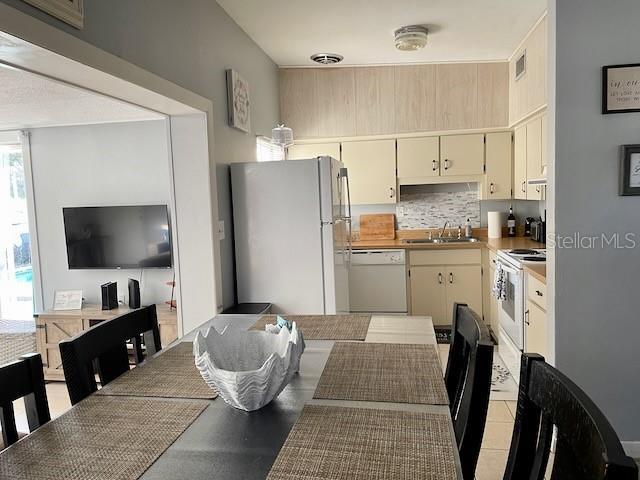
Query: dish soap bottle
x,y
511,223
468,231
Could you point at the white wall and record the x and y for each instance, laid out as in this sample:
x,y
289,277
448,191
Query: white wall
x,y
109,164
191,44
597,320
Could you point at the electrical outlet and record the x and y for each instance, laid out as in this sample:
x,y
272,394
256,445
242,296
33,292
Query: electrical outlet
x,y
221,235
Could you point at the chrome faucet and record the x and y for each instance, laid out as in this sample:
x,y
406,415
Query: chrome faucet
x,y
443,229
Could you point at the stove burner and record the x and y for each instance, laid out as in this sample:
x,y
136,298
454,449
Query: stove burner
x,y
524,251
534,259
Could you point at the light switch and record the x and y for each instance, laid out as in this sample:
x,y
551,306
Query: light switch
x,y
221,235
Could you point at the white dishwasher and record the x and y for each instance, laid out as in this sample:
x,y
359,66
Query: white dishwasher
x,y
378,281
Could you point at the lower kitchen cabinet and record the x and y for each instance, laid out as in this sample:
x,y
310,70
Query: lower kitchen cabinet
x,y
535,317
535,329
440,278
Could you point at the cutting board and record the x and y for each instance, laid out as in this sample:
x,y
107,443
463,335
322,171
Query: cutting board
x,y
378,226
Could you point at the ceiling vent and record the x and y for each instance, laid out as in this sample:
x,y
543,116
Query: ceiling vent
x,y
327,58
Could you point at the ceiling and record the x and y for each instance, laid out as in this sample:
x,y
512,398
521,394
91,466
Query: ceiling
x,y
362,30
28,100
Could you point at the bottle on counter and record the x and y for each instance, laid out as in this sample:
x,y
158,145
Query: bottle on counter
x,y
511,223
468,231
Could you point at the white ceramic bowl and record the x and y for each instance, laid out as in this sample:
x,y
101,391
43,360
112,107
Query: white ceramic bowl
x,y
248,368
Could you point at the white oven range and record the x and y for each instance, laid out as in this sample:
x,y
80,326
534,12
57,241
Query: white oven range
x,y
511,311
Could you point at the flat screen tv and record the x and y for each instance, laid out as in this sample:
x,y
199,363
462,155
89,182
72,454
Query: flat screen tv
x,y
118,237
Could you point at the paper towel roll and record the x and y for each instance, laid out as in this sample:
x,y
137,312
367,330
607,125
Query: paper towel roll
x,y
494,222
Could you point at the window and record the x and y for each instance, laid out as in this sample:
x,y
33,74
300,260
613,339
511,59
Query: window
x,y
267,151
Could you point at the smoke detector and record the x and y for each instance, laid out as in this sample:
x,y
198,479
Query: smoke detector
x,y
411,37
326,58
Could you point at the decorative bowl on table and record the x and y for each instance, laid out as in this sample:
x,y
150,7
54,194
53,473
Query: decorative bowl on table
x,y
248,369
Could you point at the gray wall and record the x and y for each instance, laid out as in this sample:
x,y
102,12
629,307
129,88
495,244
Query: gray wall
x,y
110,164
597,316
190,43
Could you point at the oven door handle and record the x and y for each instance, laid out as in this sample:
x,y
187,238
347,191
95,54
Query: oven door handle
x,y
508,269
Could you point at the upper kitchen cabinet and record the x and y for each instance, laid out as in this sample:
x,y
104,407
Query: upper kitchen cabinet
x,y
298,101
418,157
415,98
493,94
456,96
311,150
375,100
528,75
498,155
372,171
462,155
520,163
336,102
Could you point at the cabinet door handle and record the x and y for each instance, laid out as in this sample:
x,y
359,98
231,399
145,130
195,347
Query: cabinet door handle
x,y
450,277
440,278
538,189
524,187
539,293
446,164
434,165
392,192
492,188
526,318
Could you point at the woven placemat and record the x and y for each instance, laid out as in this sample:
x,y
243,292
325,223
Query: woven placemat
x,y
101,438
324,327
362,444
172,374
383,372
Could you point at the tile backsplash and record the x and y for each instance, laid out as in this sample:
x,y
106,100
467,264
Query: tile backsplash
x,y
421,207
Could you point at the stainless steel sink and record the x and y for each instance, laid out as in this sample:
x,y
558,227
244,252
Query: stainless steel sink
x,y
442,240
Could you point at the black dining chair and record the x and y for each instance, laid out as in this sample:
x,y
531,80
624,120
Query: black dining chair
x,y
23,378
468,382
587,447
104,346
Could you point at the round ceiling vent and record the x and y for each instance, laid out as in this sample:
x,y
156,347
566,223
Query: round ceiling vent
x,y
411,37
327,58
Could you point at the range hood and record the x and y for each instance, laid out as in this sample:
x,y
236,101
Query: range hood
x,y
539,181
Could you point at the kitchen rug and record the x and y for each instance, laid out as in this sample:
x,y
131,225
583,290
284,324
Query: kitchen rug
x,y
383,372
330,442
101,438
171,374
503,385
324,327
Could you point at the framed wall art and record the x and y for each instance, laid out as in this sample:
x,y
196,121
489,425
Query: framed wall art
x,y
630,170
621,88
69,11
238,103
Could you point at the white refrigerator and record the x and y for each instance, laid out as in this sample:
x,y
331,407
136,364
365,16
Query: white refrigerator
x,y
292,223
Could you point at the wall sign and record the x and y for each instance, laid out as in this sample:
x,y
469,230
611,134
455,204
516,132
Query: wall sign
x,y
238,101
621,88
69,11
630,170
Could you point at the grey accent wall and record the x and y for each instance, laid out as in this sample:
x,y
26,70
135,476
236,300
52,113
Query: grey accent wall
x,y
190,43
596,309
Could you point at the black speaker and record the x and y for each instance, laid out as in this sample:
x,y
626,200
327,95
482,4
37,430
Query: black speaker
x,y
109,295
134,293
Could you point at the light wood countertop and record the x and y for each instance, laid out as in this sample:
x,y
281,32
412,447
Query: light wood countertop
x,y
538,271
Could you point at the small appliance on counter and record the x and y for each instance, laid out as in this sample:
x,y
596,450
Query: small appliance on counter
x,y
538,231
527,226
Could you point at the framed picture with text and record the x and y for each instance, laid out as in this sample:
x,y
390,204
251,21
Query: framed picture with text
x,y
69,11
630,170
621,88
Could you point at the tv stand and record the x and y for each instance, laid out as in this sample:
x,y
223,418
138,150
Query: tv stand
x,y
53,326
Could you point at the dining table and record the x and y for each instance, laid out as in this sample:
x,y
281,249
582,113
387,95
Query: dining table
x,y
226,443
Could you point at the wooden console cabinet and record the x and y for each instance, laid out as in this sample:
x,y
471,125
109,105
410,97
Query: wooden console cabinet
x,y
54,326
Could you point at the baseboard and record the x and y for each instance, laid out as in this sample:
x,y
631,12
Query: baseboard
x,y
632,449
